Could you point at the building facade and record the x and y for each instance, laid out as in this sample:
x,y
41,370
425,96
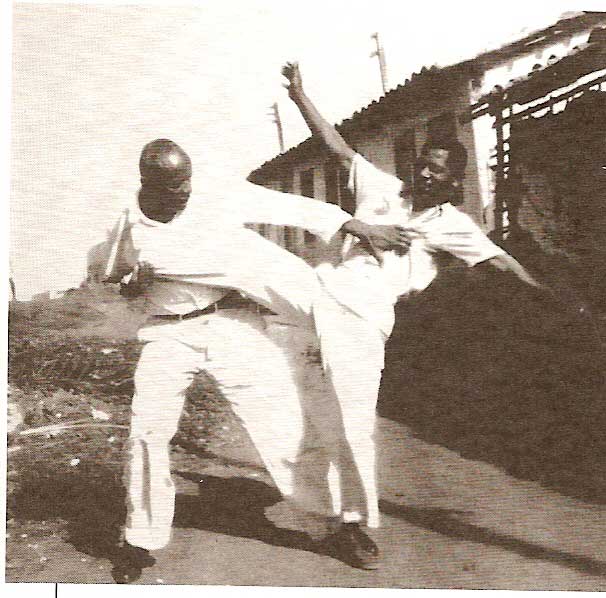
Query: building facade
x,y
391,131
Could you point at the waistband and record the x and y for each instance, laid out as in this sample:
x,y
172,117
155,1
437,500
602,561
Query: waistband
x,y
232,300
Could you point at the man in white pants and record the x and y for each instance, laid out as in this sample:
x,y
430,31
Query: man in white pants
x,y
219,293
361,291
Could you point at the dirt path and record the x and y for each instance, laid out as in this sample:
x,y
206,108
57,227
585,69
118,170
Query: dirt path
x,y
448,522
490,470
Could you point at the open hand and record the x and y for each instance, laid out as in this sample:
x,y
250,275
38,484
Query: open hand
x,y
295,84
377,238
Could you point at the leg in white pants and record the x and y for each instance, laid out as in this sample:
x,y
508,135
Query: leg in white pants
x,y
255,375
353,356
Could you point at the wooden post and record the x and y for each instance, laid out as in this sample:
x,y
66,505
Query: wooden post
x,y
499,200
11,281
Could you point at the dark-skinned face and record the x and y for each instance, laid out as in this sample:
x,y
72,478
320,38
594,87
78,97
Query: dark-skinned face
x,y
163,202
179,194
433,180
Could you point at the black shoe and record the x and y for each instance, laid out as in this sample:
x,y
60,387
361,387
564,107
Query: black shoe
x,y
354,547
129,562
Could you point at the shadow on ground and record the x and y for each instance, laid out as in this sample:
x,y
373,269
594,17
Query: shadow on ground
x,y
235,506
91,507
499,373
452,524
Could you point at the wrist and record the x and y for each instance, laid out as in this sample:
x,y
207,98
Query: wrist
x,y
297,96
355,227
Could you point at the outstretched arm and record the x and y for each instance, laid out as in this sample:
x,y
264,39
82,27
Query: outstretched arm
x,y
457,234
506,263
256,204
559,295
319,127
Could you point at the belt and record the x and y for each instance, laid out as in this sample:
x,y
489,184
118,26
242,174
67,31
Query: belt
x,y
232,300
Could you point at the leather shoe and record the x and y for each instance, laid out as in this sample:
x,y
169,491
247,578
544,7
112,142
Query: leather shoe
x,y
129,562
353,546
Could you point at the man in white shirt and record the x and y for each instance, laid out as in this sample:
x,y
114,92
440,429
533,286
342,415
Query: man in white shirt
x,y
219,297
361,291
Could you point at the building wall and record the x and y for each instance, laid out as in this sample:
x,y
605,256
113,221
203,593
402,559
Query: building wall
x,y
483,131
377,144
304,244
559,192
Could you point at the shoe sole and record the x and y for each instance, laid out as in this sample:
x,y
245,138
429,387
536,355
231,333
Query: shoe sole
x,y
364,566
332,551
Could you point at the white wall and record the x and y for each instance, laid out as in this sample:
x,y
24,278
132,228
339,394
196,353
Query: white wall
x,y
377,144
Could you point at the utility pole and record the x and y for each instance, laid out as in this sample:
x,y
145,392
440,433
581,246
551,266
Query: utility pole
x,y
11,281
380,54
275,114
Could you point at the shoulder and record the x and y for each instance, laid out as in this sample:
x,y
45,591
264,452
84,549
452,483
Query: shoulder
x,y
366,174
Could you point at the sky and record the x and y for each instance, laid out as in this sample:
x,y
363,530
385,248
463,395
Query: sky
x,y
92,83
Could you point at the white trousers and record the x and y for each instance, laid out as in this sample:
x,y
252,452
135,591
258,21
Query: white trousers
x,y
353,351
285,404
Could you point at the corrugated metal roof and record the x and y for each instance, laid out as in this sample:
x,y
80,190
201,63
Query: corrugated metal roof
x,y
423,79
557,73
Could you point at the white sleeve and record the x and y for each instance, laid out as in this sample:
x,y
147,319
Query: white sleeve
x,y
455,232
116,256
370,185
257,204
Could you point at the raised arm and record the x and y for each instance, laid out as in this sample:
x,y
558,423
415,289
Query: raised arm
x,y
319,127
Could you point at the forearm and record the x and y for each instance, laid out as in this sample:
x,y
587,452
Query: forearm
x,y
506,263
355,227
131,289
323,130
557,296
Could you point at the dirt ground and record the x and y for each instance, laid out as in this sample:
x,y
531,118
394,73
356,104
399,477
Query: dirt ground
x,y
491,443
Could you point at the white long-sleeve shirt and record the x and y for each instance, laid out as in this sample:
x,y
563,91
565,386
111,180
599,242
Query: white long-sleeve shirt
x,y
206,251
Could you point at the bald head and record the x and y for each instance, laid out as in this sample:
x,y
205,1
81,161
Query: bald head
x,y
165,180
164,164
